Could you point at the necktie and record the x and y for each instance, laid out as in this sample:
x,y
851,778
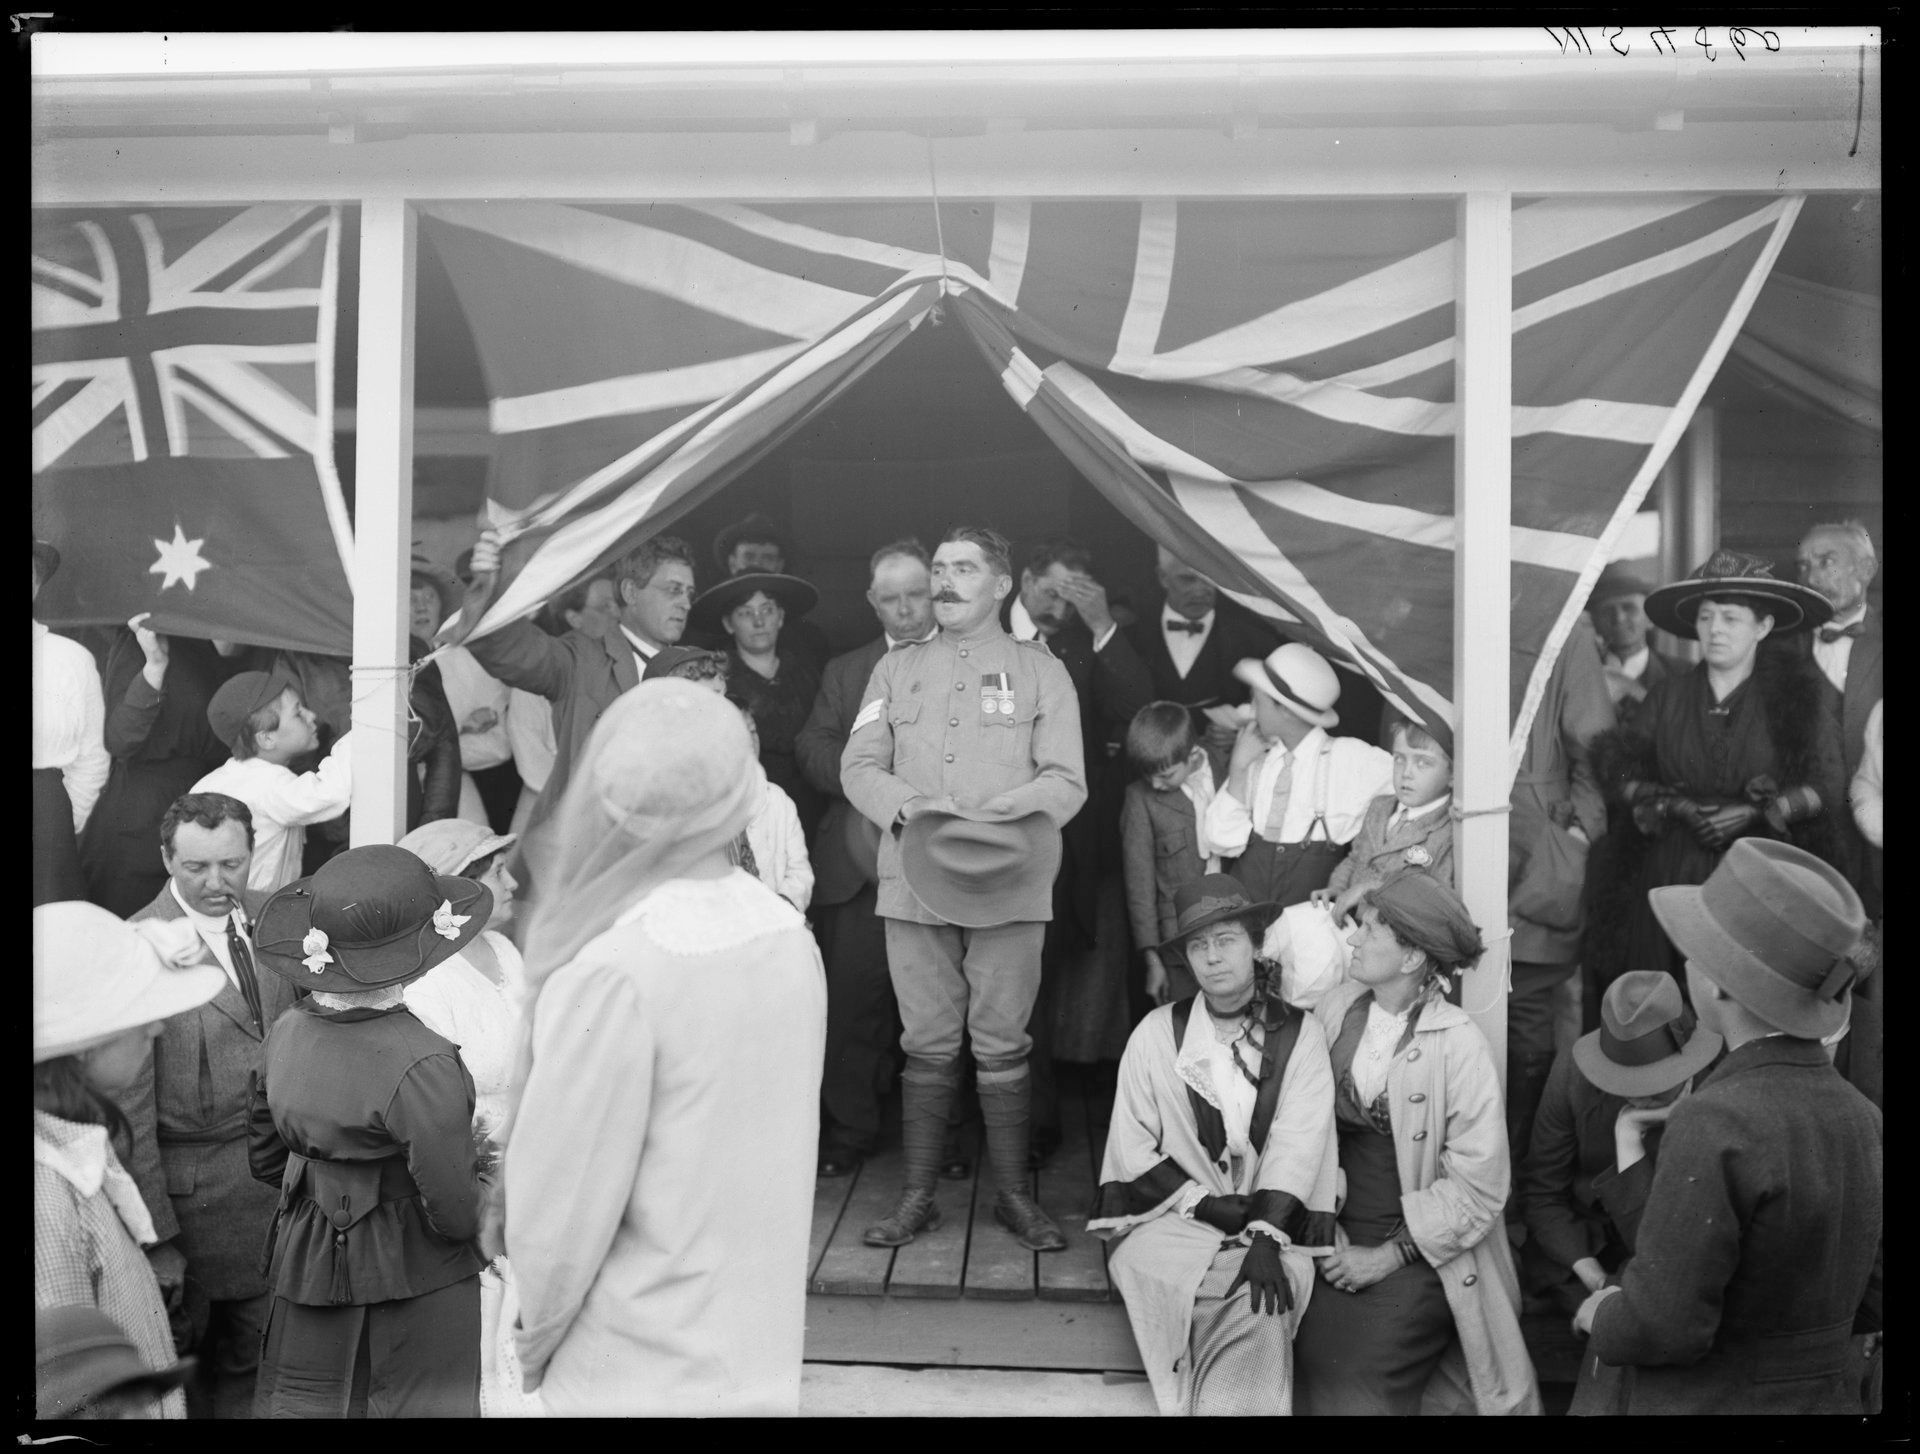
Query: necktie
x,y
744,852
1277,805
1831,634
1193,628
243,971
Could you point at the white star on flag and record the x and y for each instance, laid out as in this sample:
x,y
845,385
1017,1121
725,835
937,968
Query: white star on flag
x,y
180,559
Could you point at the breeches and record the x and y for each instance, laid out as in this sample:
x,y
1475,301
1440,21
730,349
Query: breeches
x,y
413,1358
980,981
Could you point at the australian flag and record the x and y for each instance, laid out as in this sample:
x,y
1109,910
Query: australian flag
x,y
183,422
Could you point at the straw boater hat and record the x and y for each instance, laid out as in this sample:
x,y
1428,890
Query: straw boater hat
x,y
1617,580
795,596
1639,1049
370,918
1213,899
1299,679
448,845
96,976
1733,573
81,1354
972,870
1774,927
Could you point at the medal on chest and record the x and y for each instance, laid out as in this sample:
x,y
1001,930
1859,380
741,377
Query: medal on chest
x,y
996,694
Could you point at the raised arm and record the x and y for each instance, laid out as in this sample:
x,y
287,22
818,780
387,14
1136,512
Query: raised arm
x,y
312,797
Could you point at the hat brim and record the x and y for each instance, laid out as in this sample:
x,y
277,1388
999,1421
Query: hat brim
x,y
1748,979
171,992
68,1392
284,919
1794,607
1264,913
1254,674
795,596
964,904
1652,1078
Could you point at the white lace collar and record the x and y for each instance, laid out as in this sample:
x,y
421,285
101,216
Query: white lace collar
x,y
708,916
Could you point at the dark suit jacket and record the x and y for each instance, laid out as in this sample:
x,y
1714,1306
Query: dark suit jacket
x,y
1236,633
846,846
188,1112
1758,1255
579,675
1866,680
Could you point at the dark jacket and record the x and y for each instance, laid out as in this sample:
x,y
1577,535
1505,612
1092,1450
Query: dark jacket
x,y
1159,847
1210,681
845,849
1758,1255
364,1118
1866,681
188,1113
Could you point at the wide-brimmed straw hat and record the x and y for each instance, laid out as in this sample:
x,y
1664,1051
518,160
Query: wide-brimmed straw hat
x,y
1213,899
448,845
80,1354
795,596
1734,573
369,918
975,870
1774,927
1640,1048
96,976
1299,679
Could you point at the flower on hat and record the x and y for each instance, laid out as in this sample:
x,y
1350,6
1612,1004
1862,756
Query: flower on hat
x,y
1418,856
446,923
175,940
315,945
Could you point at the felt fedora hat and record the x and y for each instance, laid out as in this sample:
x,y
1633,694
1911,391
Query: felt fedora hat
x,y
96,976
1640,1048
1299,679
1617,580
367,919
46,560
796,597
1775,928
79,1354
974,870
1734,573
1213,899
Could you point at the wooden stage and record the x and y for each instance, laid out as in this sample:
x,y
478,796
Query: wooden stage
x,y
969,1296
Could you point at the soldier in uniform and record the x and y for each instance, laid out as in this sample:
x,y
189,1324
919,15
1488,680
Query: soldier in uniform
x,y
971,721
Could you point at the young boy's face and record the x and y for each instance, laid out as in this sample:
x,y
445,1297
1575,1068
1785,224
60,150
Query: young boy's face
x,y
297,732
1269,716
1420,774
1172,779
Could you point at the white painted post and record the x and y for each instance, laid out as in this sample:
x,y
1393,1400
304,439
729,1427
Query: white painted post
x,y
1482,595
382,520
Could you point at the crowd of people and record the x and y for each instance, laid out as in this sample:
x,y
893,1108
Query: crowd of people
x,y
523,1114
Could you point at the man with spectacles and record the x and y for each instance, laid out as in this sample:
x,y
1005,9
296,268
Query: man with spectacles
x,y
579,674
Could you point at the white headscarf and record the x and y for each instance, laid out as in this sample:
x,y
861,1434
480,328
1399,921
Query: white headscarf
x,y
667,777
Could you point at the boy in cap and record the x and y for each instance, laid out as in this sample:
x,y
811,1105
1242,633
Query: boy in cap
x,y
1758,1253
1295,796
1406,828
264,720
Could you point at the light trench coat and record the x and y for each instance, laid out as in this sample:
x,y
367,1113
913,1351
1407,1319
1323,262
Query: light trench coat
x,y
1450,1143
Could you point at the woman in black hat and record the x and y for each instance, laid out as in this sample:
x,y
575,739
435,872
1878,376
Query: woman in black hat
x,y
777,685
1740,745
364,1117
1421,1287
1222,1129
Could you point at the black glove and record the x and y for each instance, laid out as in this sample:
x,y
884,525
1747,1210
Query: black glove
x,y
1691,816
1266,1280
1721,826
1228,1213
1650,814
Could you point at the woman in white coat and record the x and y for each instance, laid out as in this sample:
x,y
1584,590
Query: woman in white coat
x,y
1420,1307
659,1166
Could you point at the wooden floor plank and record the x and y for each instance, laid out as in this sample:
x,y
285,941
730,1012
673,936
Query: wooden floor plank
x,y
997,1266
971,1333
848,1265
1078,1274
933,1264
829,1199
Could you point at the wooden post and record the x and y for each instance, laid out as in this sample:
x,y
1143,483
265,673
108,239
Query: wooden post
x,y
382,520
1482,596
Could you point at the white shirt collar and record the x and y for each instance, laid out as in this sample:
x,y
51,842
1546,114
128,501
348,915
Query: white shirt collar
x,y
1858,613
1021,624
202,922
1404,814
1628,665
893,645
647,653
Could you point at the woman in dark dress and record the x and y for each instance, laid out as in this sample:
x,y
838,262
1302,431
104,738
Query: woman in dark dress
x,y
775,684
1421,1281
157,690
1740,744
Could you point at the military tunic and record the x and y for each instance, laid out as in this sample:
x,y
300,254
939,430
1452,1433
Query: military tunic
x,y
971,718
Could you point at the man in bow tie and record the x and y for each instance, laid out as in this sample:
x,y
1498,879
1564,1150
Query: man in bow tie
x,y
188,1109
1839,562
1191,643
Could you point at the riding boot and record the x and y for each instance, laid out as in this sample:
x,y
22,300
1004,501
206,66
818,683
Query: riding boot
x,y
1006,1094
926,1091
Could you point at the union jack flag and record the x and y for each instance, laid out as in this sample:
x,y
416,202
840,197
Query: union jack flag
x,y
1265,386
183,420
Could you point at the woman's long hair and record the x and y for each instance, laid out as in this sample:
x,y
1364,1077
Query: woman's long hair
x,y
61,1088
